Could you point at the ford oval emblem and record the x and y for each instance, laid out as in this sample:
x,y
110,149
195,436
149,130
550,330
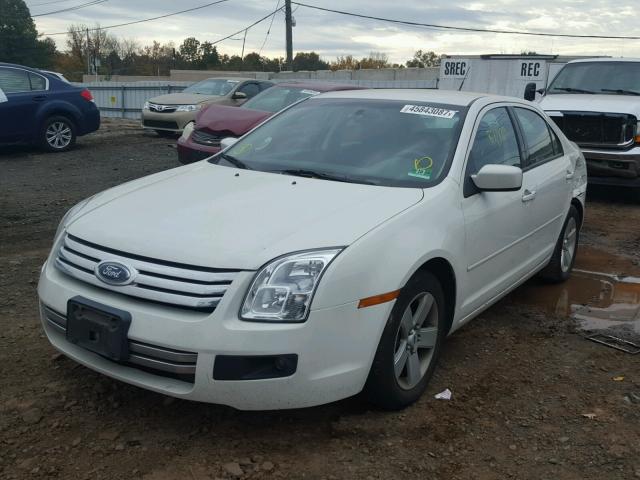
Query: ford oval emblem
x,y
114,273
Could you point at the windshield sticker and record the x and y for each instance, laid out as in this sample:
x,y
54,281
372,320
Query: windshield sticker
x,y
244,148
422,168
429,111
309,92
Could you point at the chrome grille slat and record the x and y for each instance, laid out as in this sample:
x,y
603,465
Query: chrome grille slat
x,y
148,356
154,281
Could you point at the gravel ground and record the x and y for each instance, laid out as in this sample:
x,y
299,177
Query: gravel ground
x,y
532,399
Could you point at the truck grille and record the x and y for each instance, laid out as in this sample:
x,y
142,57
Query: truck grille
x,y
166,362
175,284
206,138
595,129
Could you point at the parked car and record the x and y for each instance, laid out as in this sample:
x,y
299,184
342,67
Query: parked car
x,y
168,114
43,110
217,121
596,103
329,251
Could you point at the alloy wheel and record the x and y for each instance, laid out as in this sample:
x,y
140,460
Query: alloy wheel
x,y
58,135
568,244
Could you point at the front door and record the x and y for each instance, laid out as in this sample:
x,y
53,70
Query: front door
x,y
495,228
17,114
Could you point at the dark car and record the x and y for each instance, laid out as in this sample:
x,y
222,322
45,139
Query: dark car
x,y
44,110
217,121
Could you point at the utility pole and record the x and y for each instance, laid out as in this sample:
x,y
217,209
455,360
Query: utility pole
x,y
289,28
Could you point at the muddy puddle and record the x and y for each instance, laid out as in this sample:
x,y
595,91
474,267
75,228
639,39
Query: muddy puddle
x,y
600,296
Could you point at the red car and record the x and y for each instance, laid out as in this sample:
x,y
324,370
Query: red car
x,y
217,121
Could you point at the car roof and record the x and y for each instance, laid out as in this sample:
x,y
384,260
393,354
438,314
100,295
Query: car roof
x,y
449,97
4,64
318,86
605,59
235,79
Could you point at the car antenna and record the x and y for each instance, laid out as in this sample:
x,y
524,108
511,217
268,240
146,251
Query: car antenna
x,y
465,77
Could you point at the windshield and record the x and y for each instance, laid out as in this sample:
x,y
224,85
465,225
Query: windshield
x,y
276,98
612,78
212,87
381,142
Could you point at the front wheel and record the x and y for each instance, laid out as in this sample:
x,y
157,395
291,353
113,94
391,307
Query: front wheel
x,y
58,134
564,256
410,345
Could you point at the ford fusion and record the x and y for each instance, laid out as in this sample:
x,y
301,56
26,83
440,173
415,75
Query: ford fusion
x,y
328,252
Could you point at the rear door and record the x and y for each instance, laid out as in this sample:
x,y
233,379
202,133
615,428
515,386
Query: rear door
x,y
546,182
25,91
495,228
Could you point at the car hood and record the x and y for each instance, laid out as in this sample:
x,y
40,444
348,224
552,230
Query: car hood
x,y
222,217
185,99
238,121
628,104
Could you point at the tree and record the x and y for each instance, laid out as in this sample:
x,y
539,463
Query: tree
x,y
308,61
424,59
209,57
19,41
190,51
375,60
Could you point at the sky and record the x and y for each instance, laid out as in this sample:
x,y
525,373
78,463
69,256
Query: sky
x,y
332,35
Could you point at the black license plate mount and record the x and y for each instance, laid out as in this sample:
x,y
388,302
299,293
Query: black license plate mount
x,y
98,328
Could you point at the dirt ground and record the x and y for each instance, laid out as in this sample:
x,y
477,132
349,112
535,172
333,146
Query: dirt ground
x,y
532,398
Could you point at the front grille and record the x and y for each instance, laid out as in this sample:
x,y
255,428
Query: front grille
x,y
160,124
163,361
169,283
155,107
205,138
595,129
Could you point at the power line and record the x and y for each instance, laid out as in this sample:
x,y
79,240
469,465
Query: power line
x,y
248,27
144,20
69,9
48,3
269,29
464,29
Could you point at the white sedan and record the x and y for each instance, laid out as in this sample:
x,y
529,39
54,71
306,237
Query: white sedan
x,y
328,252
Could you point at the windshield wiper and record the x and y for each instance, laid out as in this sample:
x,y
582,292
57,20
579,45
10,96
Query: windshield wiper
x,y
321,175
620,91
575,90
234,161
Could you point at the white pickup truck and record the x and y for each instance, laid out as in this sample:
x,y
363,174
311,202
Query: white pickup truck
x,y
596,103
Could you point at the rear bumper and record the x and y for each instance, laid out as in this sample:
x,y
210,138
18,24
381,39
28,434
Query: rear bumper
x,y
189,151
613,167
90,121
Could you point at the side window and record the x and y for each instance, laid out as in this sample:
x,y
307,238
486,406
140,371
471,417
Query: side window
x,y
537,137
495,142
13,80
251,89
265,85
37,82
557,145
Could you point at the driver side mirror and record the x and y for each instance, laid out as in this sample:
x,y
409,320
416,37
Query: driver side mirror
x,y
239,96
530,92
498,178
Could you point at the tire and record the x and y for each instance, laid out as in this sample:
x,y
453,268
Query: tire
x,y
564,256
166,133
384,387
58,134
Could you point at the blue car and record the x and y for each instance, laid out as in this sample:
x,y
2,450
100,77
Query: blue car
x,y
40,108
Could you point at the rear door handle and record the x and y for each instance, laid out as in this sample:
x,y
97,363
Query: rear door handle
x,y
528,195
39,98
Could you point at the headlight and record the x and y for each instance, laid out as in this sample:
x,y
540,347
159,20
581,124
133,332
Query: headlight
x,y
69,215
283,289
146,106
186,131
187,108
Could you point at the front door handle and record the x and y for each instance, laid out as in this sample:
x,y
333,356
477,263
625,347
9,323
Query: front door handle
x,y
39,98
528,195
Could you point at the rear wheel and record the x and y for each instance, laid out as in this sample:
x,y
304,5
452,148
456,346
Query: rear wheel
x,y
564,256
410,345
58,134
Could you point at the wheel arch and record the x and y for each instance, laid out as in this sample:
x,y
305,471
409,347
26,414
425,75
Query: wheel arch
x,y
580,208
444,272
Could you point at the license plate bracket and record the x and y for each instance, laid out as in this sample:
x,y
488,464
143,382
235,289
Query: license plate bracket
x,y
98,328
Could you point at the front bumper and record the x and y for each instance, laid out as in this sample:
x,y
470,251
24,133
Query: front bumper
x,y
335,346
189,151
171,122
613,167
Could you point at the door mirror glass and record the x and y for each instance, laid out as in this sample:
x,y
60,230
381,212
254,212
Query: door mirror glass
x,y
227,142
239,96
530,92
498,178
